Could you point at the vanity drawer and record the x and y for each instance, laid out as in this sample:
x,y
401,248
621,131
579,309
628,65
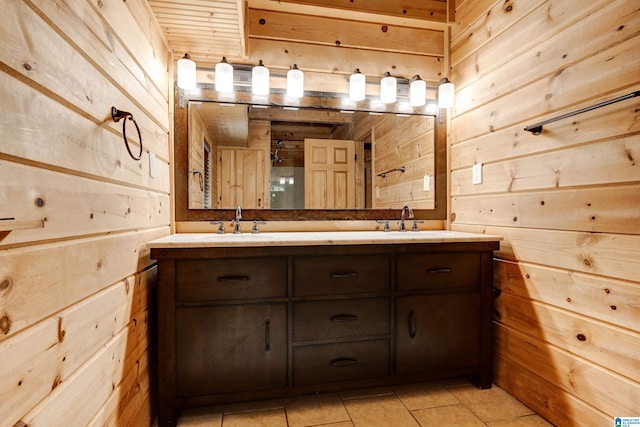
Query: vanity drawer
x,y
315,364
231,278
439,270
335,275
318,320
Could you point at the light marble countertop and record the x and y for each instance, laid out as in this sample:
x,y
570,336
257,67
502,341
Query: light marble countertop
x,y
320,238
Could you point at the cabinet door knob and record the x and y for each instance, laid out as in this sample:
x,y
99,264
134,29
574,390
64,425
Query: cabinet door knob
x,y
341,318
439,270
343,361
412,324
343,274
234,278
267,335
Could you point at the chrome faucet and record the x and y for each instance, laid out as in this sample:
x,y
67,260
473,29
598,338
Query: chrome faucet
x,y
236,221
406,208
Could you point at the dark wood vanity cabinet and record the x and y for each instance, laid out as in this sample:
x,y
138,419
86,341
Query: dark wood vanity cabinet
x,y
239,323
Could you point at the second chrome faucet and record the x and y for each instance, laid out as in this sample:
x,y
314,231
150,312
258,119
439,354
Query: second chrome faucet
x,y
236,220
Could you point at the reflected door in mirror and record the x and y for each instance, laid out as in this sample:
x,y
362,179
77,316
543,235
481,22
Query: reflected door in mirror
x,y
330,179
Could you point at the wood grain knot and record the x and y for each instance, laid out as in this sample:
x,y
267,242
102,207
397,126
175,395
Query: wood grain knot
x,y
5,284
581,337
5,324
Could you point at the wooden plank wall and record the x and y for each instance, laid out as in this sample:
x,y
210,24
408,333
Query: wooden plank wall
x,y
76,291
566,201
199,132
403,143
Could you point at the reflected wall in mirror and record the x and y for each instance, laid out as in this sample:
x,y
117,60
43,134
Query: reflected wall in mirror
x,y
270,157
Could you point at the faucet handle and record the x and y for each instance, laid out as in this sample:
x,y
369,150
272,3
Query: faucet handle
x,y
386,225
415,225
255,230
220,228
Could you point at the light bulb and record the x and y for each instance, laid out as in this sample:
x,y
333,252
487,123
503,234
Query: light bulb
x,y
224,76
186,72
260,79
295,82
417,91
388,88
357,86
445,93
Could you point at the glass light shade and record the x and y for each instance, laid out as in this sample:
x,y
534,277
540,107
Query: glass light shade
x,y
445,93
186,72
224,76
260,79
388,88
295,82
357,86
417,92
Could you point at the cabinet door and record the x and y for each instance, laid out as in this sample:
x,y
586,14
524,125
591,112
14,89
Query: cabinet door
x,y
437,332
230,348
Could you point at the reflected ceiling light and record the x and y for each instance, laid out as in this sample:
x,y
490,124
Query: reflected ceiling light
x,y
417,91
357,85
186,72
260,79
224,76
445,93
295,82
388,88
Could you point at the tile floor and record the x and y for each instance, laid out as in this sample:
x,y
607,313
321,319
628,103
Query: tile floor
x,y
446,403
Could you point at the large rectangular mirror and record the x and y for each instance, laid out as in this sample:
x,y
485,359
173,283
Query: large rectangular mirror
x,y
309,162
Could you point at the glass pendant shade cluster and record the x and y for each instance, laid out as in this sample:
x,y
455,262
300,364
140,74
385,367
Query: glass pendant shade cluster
x,y
186,73
389,88
186,70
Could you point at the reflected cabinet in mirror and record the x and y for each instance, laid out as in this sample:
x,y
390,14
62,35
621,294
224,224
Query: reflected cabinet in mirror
x,y
306,163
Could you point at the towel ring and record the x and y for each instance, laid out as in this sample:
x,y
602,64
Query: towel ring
x,y
119,114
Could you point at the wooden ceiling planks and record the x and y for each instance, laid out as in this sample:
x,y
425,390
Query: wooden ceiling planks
x,y
210,29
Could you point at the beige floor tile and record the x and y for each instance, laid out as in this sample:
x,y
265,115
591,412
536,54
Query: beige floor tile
x,y
200,417
366,392
420,396
490,404
342,424
452,415
379,411
266,418
526,421
315,410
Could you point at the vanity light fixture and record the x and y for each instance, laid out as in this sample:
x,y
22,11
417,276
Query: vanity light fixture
x,y
224,76
417,91
388,88
186,72
357,85
260,79
445,93
295,82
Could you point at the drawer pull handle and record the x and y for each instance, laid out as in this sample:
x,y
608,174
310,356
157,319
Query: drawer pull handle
x,y
439,270
343,361
267,335
343,275
412,324
341,318
234,278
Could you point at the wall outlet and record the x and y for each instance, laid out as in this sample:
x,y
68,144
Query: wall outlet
x,y
477,174
426,183
152,164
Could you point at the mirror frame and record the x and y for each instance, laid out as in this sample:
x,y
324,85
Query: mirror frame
x,y
323,100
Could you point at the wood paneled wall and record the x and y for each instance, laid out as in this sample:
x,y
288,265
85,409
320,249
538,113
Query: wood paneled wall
x,y
566,201
405,143
76,280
